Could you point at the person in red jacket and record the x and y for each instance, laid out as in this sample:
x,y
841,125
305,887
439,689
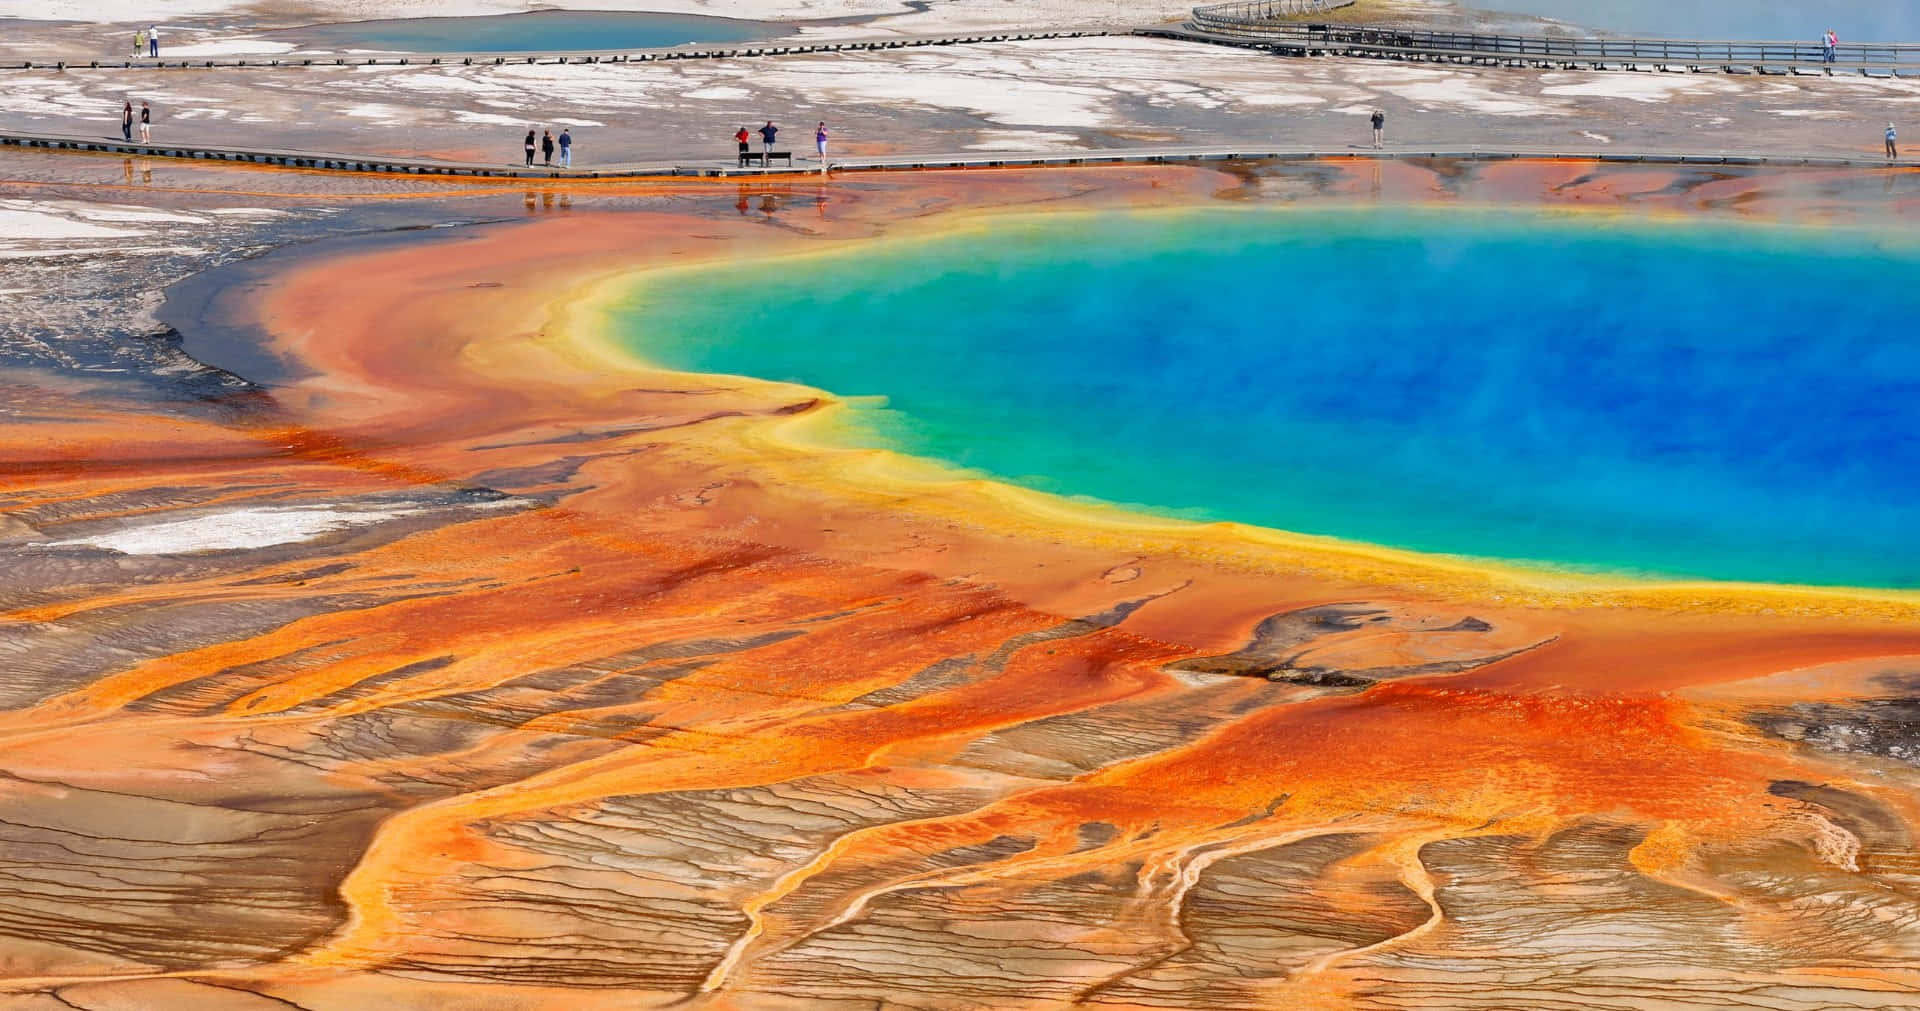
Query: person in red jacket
x,y
743,138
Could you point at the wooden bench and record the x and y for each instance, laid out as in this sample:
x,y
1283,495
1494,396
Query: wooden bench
x,y
765,158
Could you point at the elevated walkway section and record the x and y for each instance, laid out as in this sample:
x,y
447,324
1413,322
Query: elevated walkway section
x,y
1261,24
1285,27
727,168
308,60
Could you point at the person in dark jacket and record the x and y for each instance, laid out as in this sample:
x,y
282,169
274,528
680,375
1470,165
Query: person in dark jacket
x,y
1379,128
126,121
566,148
546,146
146,123
529,147
767,133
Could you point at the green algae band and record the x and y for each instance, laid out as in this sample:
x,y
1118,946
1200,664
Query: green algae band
x,y
1715,401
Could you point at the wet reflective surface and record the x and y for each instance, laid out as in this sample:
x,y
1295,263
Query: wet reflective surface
x,y
452,657
538,31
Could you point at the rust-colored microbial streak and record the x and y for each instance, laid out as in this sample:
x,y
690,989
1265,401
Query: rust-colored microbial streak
x,y
607,689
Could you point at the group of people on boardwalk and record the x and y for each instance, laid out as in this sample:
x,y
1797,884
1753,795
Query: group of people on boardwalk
x,y
768,134
547,145
147,40
127,121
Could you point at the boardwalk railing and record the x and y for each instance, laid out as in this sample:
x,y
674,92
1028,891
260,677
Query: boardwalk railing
x,y
1260,11
1244,20
722,164
555,57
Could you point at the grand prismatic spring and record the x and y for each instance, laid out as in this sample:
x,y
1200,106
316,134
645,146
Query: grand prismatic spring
x,y
1339,582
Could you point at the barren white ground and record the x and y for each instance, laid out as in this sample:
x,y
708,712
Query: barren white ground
x,y
1034,96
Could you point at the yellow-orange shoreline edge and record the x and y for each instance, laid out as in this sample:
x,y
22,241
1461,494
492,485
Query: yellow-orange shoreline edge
x,y
809,448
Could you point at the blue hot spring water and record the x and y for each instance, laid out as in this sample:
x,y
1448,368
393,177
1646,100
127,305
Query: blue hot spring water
x,y
1689,400
538,31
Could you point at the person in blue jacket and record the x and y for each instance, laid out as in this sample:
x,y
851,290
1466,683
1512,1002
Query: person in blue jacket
x,y
566,148
767,133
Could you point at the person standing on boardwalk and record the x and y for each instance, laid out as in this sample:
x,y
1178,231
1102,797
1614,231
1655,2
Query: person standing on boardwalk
x,y
1379,128
1830,44
820,142
1893,143
546,146
528,144
126,120
153,41
146,123
566,148
767,133
139,43
742,137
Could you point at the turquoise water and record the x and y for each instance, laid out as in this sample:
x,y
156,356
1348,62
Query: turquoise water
x,y
540,31
1730,402
1805,20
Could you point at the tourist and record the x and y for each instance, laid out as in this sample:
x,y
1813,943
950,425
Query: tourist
x,y
139,43
529,147
146,123
1893,143
743,138
153,41
820,142
546,146
767,133
126,121
1379,129
566,148
1830,43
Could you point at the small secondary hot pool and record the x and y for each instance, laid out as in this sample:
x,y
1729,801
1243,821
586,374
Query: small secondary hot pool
x,y
539,31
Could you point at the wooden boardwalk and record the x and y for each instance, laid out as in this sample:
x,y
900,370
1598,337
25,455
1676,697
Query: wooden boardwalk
x,y
1211,25
298,60
1231,24
725,167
